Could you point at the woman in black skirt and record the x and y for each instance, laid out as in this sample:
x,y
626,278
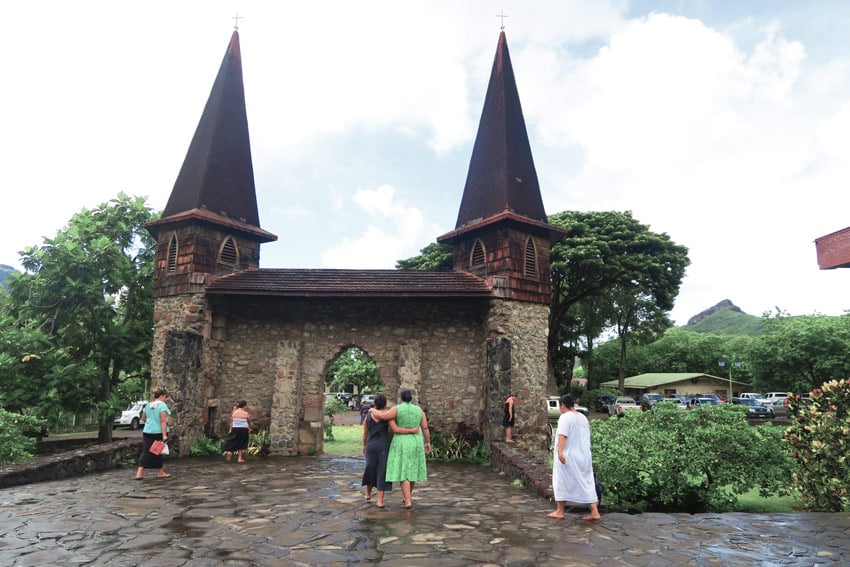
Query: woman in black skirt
x,y
237,437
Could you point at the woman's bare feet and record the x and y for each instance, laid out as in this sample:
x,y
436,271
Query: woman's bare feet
x,y
162,475
555,515
591,518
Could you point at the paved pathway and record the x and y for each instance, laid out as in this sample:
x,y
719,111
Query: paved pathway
x,y
311,511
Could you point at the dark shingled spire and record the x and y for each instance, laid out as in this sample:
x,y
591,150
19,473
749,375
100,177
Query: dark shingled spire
x,y
502,177
218,174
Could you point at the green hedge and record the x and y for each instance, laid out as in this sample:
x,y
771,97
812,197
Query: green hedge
x,y
695,460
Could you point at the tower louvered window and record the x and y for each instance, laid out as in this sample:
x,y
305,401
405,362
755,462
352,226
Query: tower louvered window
x,y
478,257
171,259
530,259
229,254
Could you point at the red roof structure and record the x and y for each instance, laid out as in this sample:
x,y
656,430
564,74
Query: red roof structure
x,y
834,250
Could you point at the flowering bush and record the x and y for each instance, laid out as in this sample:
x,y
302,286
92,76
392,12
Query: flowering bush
x,y
819,439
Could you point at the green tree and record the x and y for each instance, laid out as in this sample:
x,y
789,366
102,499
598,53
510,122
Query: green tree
x,y
608,257
354,369
801,353
89,289
435,256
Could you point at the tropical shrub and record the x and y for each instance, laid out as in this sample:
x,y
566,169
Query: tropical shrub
x,y
446,448
696,460
258,443
818,439
204,447
18,436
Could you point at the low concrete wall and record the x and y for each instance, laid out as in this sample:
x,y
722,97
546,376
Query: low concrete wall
x,y
71,463
529,467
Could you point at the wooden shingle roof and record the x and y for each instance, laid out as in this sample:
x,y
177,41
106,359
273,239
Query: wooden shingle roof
x,y
502,177
351,283
218,174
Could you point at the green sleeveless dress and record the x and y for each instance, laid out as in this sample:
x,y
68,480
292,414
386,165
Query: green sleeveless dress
x,y
406,460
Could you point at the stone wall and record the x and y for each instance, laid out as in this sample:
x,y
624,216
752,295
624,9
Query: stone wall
x,y
69,464
274,352
526,326
531,468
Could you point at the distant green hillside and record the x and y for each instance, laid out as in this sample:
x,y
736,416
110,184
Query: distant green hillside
x,y
726,319
5,271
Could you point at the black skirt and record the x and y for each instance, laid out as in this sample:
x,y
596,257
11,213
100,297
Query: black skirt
x,y
236,440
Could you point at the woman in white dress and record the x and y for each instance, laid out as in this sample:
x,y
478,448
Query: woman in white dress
x,y
572,470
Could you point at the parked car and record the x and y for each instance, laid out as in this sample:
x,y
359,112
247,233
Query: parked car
x,y
752,396
553,407
649,400
678,402
601,403
771,396
703,401
684,397
714,397
754,408
132,416
367,399
779,406
621,405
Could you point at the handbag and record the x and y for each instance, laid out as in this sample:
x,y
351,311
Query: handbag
x,y
158,448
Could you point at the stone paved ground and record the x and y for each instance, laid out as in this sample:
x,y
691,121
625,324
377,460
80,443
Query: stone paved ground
x,y
311,511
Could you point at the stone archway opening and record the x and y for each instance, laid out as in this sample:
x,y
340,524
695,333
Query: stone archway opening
x,y
350,376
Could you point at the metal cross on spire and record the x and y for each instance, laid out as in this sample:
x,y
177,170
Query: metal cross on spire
x,y
502,15
236,19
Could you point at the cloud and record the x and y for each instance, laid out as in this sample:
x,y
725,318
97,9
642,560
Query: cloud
x,y
391,233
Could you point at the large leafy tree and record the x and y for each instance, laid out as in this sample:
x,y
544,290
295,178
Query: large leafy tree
x,y
610,260
801,353
89,290
435,256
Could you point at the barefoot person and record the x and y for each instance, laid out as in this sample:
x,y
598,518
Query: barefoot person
x,y
411,441
237,437
156,429
509,419
572,470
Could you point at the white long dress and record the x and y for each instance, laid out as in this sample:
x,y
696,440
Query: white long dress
x,y
573,481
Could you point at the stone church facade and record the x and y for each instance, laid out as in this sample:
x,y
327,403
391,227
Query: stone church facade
x,y
461,340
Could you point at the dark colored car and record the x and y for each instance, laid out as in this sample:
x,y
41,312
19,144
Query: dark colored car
x,y
647,401
601,403
754,409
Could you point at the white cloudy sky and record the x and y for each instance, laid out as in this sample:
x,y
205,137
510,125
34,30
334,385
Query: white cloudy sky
x,y
723,124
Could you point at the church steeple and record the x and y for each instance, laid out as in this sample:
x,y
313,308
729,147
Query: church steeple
x,y
211,224
502,231
218,174
502,177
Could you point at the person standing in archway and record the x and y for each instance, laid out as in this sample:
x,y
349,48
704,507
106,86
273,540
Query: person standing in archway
x,y
509,419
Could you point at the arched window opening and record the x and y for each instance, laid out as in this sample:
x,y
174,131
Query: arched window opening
x,y
530,259
229,253
171,258
478,258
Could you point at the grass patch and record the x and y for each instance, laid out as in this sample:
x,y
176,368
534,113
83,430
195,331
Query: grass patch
x,y
348,439
753,503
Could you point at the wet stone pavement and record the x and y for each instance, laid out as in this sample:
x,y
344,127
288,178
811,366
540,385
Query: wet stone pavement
x,y
311,511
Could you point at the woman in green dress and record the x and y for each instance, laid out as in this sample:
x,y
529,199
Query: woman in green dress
x,y
406,460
